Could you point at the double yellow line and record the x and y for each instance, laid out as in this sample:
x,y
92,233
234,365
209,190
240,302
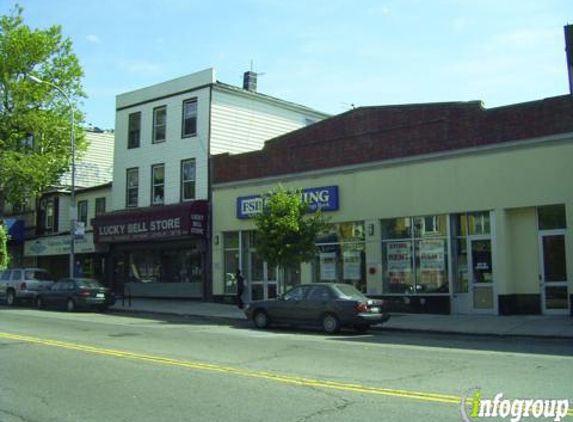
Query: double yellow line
x,y
280,378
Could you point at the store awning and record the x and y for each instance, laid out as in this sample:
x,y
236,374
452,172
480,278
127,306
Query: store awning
x,y
167,222
16,229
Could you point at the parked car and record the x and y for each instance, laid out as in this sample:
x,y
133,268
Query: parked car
x,y
331,306
76,293
20,284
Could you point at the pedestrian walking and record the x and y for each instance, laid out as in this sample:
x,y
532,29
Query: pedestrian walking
x,y
240,288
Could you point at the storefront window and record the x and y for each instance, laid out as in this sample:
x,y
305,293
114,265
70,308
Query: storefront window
x,y
170,266
341,257
231,263
415,260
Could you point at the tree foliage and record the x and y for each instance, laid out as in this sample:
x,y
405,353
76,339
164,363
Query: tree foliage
x,y
35,118
286,231
4,255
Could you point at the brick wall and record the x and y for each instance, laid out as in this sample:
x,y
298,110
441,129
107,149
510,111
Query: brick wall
x,y
388,132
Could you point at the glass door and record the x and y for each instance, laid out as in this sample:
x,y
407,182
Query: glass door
x,y
553,268
481,276
263,279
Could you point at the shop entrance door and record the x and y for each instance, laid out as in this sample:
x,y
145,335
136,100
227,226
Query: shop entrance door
x,y
263,279
481,276
553,272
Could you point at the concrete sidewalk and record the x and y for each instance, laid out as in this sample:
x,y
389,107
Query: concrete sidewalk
x,y
515,325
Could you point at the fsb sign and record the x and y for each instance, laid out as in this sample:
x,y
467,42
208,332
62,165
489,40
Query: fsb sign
x,y
324,198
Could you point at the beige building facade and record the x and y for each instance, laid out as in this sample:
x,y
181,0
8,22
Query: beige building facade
x,y
480,222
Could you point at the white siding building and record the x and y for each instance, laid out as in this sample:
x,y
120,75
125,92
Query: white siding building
x,y
165,134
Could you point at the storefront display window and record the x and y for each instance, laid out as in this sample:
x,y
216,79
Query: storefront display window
x,y
341,257
170,266
231,260
415,255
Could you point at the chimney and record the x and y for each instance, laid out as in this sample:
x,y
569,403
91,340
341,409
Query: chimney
x,y
569,51
250,81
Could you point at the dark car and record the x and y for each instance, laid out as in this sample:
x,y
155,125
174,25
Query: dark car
x,y
76,293
329,305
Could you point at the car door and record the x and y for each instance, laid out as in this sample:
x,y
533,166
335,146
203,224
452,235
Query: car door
x,y
286,308
316,303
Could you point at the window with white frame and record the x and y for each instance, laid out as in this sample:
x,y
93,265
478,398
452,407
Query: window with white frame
x,y
415,255
50,214
83,212
100,206
341,257
158,184
159,124
189,124
132,187
188,180
134,130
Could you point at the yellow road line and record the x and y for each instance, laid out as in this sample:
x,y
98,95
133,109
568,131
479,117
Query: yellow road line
x,y
286,379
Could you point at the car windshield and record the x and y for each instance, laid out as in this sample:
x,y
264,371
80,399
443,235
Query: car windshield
x,y
38,275
349,292
87,283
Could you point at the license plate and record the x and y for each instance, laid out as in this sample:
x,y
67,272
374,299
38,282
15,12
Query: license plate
x,y
375,310
100,295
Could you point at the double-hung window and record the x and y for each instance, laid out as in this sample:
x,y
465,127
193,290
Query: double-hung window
x,y
134,130
83,212
187,180
158,184
132,187
189,126
159,124
100,206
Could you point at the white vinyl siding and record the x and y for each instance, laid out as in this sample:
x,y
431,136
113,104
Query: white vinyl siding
x,y
94,167
242,123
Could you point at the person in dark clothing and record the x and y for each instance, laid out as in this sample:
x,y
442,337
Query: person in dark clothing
x,y
240,288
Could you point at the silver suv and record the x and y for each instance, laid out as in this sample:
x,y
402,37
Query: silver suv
x,y
17,284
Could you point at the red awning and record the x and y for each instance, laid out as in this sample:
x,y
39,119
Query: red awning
x,y
153,223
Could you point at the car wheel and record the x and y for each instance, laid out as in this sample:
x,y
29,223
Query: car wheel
x,y
362,328
10,298
261,319
330,324
70,305
39,303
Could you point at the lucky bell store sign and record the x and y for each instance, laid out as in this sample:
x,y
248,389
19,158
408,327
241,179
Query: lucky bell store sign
x,y
324,198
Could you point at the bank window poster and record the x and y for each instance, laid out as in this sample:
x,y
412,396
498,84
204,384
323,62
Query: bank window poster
x,y
328,266
352,265
432,254
399,265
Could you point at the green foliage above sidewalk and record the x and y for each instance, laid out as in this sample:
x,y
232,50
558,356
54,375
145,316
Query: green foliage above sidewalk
x,y
286,231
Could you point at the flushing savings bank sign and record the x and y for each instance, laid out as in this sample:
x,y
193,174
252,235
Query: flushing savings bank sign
x,y
324,198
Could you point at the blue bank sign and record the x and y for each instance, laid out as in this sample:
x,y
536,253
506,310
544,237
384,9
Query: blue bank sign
x,y
324,198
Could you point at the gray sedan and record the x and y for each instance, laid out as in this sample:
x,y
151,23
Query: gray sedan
x,y
331,306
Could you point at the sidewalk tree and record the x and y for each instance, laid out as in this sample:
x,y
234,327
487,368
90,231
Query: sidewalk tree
x,y
4,255
286,229
35,118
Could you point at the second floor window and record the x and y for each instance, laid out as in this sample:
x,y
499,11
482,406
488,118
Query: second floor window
x,y
189,118
158,184
159,124
187,180
50,214
134,130
83,212
100,206
132,187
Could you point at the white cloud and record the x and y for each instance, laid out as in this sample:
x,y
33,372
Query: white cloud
x,y
94,39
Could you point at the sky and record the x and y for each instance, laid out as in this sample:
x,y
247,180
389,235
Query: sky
x,y
330,55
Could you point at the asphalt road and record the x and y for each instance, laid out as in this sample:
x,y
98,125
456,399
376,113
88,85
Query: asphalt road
x,y
56,366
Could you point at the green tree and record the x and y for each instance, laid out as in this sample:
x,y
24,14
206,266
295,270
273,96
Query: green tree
x,y
35,118
286,231
4,255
